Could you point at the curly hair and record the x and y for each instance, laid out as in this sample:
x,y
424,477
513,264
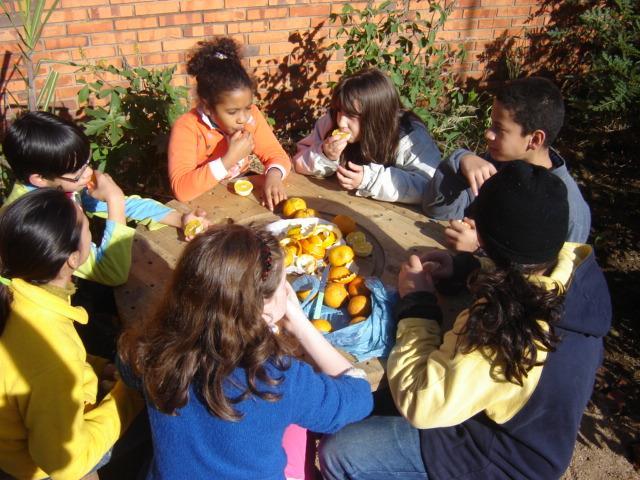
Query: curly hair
x,y
506,322
210,324
217,68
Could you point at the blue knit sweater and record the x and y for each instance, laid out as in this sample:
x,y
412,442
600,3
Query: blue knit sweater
x,y
195,444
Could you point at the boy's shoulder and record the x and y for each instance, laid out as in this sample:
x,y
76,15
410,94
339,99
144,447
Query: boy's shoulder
x,y
19,189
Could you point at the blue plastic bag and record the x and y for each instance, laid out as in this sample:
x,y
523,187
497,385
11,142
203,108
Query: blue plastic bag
x,y
372,337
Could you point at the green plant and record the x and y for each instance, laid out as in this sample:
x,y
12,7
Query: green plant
x,y
28,18
129,134
402,43
606,93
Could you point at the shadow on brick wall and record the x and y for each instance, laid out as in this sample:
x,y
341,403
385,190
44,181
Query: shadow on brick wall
x,y
285,84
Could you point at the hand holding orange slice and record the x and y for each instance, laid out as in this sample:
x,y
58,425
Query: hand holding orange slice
x,y
341,134
193,227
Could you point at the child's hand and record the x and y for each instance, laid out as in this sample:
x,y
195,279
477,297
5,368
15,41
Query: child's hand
x,y
199,215
350,177
273,192
438,263
414,277
294,317
241,144
462,235
333,146
106,189
476,170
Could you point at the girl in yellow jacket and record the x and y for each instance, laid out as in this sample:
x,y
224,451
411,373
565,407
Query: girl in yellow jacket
x,y
54,420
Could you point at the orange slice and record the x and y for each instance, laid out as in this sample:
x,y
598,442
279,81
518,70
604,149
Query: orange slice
x,y
193,227
340,133
356,237
243,187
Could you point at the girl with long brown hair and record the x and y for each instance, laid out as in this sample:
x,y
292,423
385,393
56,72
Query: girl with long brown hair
x,y
370,142
220,383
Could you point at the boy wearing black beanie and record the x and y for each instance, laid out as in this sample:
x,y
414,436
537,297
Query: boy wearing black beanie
x,y
526,117
500,395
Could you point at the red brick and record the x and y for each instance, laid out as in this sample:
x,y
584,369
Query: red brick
x,y
111,38
309,11
136,23
246,27
93,52
67,92
84,3
180,19
68,15
468,3
496,3
485,33
268,37
466,24
191,5
290,2
182,45
89,27
456,13
514,11
156,8
54,30
244,3
128,1
161,58
136,48
448,35
259,13
205,30
159,34
111,12
65,42
224,16
59,55
480,13
289,23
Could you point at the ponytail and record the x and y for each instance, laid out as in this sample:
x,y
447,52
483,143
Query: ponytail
x,y
217,68
507,319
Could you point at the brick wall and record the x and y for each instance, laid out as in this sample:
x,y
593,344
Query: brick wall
x,y
159,32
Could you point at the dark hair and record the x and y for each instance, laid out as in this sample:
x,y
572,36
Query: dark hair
x,y
44,144
217,68
38,233
210,323
508,322
370,96
536,104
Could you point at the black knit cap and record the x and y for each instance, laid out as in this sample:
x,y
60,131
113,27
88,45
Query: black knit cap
x,y
522,214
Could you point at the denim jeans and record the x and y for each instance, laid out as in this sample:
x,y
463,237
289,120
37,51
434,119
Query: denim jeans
x,y
378,448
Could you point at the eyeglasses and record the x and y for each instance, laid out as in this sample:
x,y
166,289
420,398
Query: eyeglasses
x,y
79,175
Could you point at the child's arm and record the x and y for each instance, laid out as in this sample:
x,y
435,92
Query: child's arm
x,y
310,158
325,356
406,181
275,160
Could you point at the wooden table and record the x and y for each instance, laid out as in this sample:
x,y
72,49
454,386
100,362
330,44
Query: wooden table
x,y
394,229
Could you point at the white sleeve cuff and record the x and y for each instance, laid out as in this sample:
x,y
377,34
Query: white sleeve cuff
x,y
218,169
279,167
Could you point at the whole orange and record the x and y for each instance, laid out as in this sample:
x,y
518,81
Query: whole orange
x,y
360,305
345,223
322,324
357,287
334,295
305,213
292,205
339,256
359,319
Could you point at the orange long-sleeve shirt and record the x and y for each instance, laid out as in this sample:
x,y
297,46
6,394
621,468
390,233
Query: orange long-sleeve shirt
x,y
196,147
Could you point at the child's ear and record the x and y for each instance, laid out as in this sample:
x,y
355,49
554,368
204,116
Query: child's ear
x,y
38,180
537,139
74,260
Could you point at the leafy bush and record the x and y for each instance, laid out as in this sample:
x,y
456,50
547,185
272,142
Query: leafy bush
x,y
606,94
403,44
129,134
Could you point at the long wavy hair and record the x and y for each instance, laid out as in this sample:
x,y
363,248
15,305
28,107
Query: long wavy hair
x,y
210,323
505,322
371,96
38,234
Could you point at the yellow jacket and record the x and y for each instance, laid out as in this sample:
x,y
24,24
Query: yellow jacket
x,y
51,423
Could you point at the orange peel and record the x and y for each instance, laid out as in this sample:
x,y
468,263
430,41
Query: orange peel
x,y
341,275
307,263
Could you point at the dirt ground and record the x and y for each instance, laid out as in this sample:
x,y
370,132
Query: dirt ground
x,y
609,441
